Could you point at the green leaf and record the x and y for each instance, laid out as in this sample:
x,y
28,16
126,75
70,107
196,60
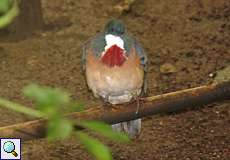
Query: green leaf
x,y
76,106
5,5
7,14
95,147
105,130
20,108
47,97
59,128
223,75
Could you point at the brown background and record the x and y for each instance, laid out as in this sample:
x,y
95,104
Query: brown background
x,y
193,35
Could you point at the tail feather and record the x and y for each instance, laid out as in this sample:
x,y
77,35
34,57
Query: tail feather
x,y
132,128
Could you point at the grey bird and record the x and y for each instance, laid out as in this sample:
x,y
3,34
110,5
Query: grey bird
x,y
115,66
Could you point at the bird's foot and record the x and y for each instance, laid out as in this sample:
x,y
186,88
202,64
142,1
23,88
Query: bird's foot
x,y
137,100
106,101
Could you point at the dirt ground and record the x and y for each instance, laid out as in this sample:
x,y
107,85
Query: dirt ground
x,y
193,35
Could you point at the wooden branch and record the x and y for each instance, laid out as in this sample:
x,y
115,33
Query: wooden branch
x,y
171,102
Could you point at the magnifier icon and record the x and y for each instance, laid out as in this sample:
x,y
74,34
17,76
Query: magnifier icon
x,y
9,147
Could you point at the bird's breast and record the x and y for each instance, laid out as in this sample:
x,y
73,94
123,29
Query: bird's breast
x,y
113,56
105,80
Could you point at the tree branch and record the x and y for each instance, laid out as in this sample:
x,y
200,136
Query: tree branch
x,y
165,103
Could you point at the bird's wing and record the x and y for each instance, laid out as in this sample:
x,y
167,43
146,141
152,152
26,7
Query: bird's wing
x,y
144,62
96,44
141,53
85,48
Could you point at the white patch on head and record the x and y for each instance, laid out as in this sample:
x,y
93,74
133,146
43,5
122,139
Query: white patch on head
x,y
113,40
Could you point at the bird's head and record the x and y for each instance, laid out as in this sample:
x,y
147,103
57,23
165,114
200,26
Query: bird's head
x,y
114,52
115,27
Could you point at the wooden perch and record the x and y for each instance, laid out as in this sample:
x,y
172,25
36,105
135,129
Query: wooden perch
x,y
171,102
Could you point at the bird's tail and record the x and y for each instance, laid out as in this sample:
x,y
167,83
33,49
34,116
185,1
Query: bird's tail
x,y
132,128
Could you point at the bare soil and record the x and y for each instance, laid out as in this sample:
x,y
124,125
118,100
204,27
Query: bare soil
x,y
192,35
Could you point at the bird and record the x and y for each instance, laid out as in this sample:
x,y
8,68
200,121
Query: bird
x,y
115,67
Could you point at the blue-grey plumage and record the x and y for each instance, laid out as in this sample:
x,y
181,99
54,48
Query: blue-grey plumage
x,y
116,65
98,43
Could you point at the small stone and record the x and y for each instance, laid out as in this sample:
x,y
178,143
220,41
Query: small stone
x,y
168,68
43,34
211,75
223,75
124,6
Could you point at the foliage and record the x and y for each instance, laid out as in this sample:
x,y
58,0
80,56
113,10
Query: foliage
x,y
222,75
8,11
51,104
99,150
105,130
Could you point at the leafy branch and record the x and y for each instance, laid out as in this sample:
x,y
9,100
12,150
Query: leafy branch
x,y
51,104
8,11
